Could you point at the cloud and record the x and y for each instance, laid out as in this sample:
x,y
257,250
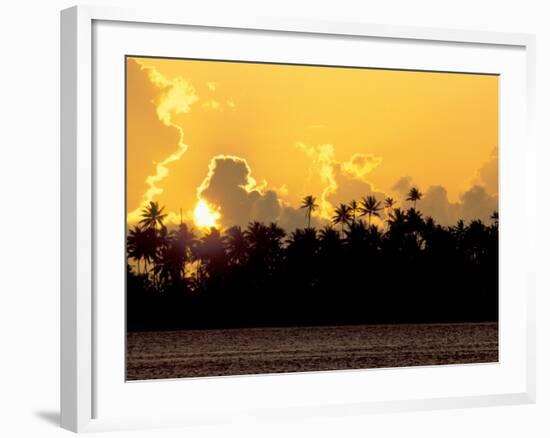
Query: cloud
x,y
212,105
344,181
435,203
350,186
292,218
360,165
402,186
475,203
487,175
176,97
216,105
478,204
266,208
323,164
230,187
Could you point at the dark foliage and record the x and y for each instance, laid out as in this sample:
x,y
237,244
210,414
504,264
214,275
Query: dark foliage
x,y
413,270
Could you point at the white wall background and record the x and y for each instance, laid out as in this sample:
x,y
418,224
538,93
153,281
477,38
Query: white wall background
x,y
29,216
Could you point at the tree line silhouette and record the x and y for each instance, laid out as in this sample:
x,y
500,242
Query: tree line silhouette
x,y
406,269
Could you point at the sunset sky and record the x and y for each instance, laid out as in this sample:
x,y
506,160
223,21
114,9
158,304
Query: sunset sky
x,y
251,140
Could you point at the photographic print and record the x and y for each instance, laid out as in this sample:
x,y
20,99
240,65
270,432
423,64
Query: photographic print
x,y
294,218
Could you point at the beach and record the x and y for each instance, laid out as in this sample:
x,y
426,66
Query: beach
x,y
223,352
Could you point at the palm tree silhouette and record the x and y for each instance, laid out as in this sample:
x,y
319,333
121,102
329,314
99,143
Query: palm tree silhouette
x,y
397,219
243,277
389,202
150,244
354,208
136,243
370,207
184,241
329,234
152,215
414,195
168,267
211,251
342,215
237,245
309,204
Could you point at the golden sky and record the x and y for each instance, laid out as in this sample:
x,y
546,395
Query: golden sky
x,y
281,132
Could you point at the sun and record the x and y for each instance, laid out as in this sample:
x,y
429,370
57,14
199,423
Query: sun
x,y
205,216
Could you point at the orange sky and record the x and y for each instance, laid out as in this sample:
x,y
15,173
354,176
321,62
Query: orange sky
x,y
335,133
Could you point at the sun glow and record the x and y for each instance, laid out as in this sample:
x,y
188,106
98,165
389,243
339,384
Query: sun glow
x,y
205,216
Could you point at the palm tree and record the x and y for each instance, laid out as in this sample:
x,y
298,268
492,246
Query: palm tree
x,y
237,245
184,241
211,252
354,208
370,207
389,202
136,243
494,217
150,245
310,205
152,215
397,220
168,267
342,215
414,195
257,236
275,234
415,223
329,234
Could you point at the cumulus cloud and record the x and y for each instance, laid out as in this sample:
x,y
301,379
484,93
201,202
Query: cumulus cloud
x,y
475,203
487,175
343,181
230,187
478,204
350,186
402,186
435,203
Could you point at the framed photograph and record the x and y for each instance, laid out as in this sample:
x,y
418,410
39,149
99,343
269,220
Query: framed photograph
x,y
268,218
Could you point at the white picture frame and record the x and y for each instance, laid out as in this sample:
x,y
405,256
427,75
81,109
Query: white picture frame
x,y
81,373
